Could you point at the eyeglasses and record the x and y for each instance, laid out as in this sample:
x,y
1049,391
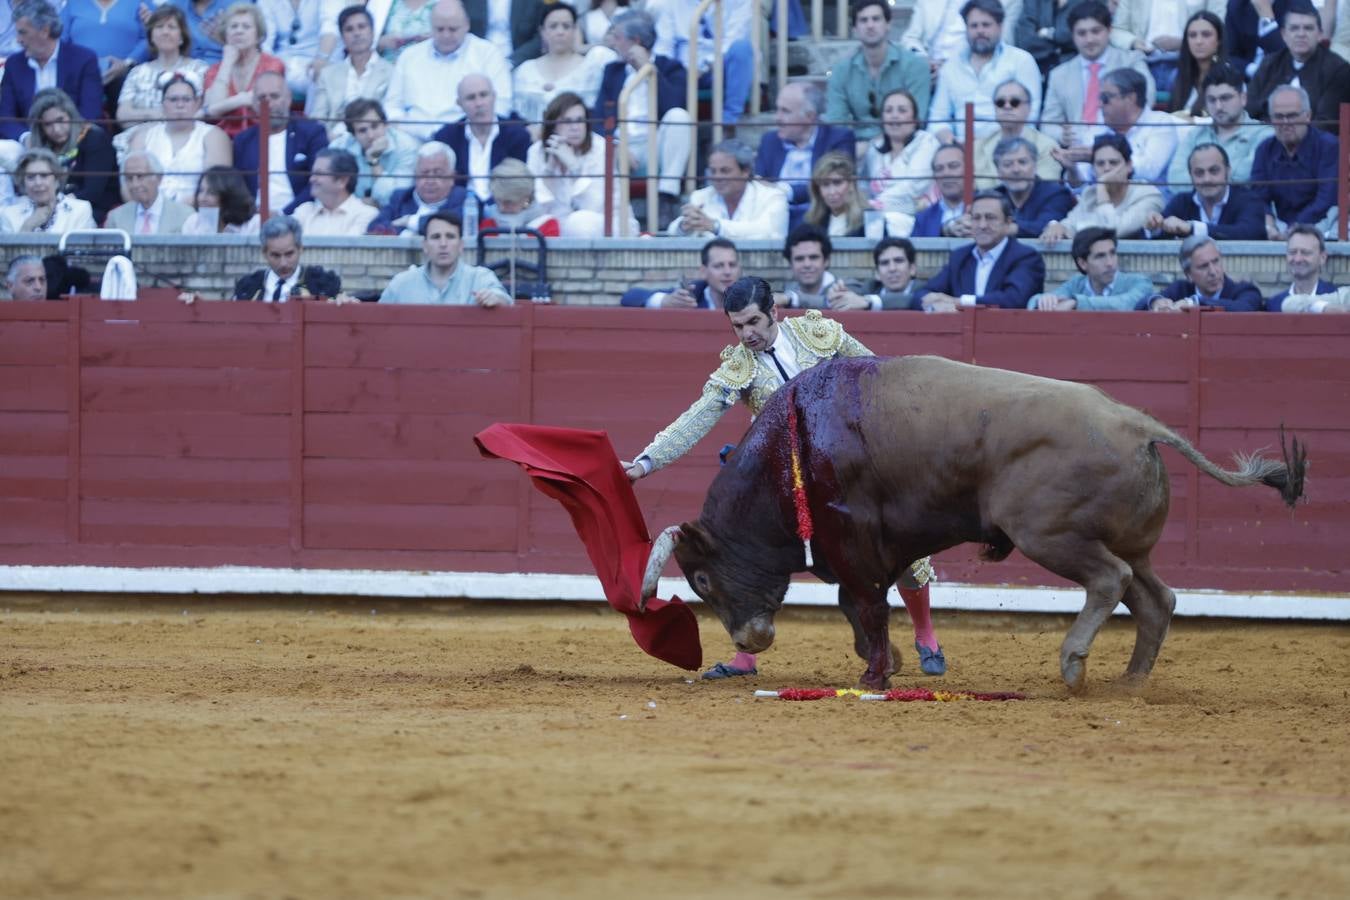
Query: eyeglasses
x,y
1109,96
1287,116
1008,102
872,105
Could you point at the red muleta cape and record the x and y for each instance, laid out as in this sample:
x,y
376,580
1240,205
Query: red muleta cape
x,y
580,470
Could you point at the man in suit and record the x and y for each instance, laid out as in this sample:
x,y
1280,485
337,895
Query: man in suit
x,y
1306,256
1323,74
46,61
788,155
284,278
433,190
1216,207
633,33
1036,202
149,211
721,267
1250,31
1073,90
1205,283
293,143
513,27
995,270
946,216
482,138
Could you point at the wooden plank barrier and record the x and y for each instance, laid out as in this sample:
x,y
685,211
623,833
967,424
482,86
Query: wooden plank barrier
x,y
158,434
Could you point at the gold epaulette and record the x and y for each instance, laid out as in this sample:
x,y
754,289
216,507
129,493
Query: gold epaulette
x,y
819,334
737,369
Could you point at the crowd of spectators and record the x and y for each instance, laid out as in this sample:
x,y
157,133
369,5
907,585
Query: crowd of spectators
x,y
1193,120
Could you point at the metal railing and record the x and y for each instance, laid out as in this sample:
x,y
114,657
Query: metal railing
x,y
646,74
691,93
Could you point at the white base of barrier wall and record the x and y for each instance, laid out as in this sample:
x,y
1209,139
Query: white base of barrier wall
x,y
520,586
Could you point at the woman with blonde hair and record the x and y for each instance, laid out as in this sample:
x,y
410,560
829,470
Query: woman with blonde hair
x,y
229,83
83,149
40,176
836,203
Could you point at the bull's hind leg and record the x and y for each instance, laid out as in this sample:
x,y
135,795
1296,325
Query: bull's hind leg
x,y
1151,603
1102,574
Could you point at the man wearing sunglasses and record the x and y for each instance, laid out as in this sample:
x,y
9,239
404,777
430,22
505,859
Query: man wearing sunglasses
x,y
1012,108
857,85
971,77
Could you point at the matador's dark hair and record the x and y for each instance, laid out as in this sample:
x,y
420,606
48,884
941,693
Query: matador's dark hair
x,y
746,291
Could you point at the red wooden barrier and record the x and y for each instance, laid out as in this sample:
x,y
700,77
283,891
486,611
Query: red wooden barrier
x,y
153,433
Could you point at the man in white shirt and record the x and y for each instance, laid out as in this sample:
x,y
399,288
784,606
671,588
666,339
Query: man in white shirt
x,y
971,76
149,212
423,89
936,30
738,64
733,205
1152,135
335,210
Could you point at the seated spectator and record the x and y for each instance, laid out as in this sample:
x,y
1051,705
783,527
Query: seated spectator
x,y
205,19
335,209
513,28
1295,170
898,165
1338,27
1306,255
26,278
427,74
836,203
1044,32
142,97
85,149
1230,127
633,36
293,143
1322,75
1036,203
362,74
983,64
232,83
43,208
185,145
1205,283
1012,108
1217,207
482,138
400,24
284,278
1116,201
1100,285
876,70
996,270
787,156
46,61
293,28
936,31
150,210
1152,135
112,31
734,205
568,162
946,217
563,68
385,156
1073,102
808,250
433,190
895,284
1253,32
1157,30
445,279
720,269
1201,51
738,62
222,204
596,21
513,203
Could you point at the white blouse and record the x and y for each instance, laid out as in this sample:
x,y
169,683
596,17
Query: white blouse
x,y
70,214
533,90
897,179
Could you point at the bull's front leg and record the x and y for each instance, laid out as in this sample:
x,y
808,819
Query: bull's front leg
x,y
874,622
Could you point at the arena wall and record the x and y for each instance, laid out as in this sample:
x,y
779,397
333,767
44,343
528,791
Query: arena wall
x,y
317,437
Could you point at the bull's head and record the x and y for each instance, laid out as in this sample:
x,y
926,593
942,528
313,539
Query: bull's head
x,y
731,579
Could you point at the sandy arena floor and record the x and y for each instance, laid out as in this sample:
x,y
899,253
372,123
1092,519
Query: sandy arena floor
x,y
314,749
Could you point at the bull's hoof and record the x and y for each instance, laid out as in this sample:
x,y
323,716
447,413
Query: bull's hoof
x,y
1074,670
870,682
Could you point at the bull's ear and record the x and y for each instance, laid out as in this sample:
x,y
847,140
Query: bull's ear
x,y
692,535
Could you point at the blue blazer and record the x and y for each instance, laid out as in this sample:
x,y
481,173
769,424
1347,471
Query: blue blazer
x,y
76,73
928,223
1276,303
1240,26
513,141
636,298
1234,296
772,152
1048,201
670,88
1018,276
1243,217
403,203
304,139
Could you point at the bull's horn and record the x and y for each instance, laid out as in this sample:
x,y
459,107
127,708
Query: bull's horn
x,y
662,547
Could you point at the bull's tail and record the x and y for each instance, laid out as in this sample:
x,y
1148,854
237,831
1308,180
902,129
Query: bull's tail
x,y
1286,477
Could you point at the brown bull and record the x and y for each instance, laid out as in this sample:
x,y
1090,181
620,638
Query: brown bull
x,y
907,457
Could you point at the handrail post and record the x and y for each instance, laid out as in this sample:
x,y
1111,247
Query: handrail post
x,y
817,20
782,47
609,176
1343,191
264,164
968,152
718,100
759,30
691,92
841,24
648,74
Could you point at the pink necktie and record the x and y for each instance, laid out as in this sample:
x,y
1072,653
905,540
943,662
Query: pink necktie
x,y
1092,100
144,227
